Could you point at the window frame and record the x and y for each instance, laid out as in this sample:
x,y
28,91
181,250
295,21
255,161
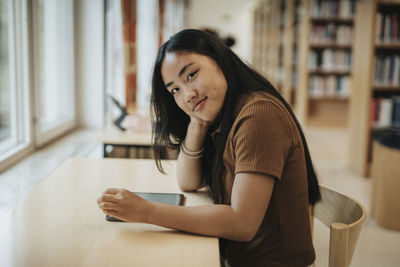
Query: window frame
x,y
43,137
20,89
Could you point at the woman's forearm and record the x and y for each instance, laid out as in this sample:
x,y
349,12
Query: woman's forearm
x,y
217,220
189,171
238,221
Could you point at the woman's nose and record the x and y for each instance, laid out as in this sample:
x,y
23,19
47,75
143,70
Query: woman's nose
x,y
190,94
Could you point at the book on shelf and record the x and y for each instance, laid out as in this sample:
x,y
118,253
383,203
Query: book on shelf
x,y
330,86
387,69
385,112
294,77
329,60
387,27
331,34
341,9
396,112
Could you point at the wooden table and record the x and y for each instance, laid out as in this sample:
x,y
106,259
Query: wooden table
x,y
59,223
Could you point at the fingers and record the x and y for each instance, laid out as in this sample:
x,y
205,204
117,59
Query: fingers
x,y
112,209
107,198
111,195
113,191
108,206
112,201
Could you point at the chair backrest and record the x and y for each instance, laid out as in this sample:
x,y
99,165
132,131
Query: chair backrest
x,y
344,216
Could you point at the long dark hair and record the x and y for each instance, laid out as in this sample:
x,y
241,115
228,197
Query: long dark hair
x,y
170,122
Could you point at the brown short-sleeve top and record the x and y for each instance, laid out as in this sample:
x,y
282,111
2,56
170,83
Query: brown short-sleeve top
x,y
264,139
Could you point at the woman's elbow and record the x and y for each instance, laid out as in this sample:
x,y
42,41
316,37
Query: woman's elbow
x,y
187,188
187,184
247,235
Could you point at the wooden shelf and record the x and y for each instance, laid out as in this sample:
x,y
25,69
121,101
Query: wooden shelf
x,y
377,128
327,110
336,20
366,51
326,73
386,87
388,3
273,43
333,122
329,98
387,46
330,45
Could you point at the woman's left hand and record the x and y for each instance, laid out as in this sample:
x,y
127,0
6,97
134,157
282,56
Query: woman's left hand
x,y
124,205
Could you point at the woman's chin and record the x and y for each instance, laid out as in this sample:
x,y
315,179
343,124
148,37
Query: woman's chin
x,y
212,120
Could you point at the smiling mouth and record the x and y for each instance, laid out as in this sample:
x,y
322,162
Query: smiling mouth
x,y
198,103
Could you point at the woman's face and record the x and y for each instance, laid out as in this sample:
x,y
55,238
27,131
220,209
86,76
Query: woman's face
x,y
196,83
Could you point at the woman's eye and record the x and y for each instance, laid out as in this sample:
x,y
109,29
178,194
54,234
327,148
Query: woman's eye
x,y
191,75
174,91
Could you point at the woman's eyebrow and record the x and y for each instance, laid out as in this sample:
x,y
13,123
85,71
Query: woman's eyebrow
x,y
184,68
180,73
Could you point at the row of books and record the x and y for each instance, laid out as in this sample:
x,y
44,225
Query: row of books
x,y
280,75
329,86
298,10
294,77
331,33
385,112
296,30
337,8
387,27
387,70
329,60
294,57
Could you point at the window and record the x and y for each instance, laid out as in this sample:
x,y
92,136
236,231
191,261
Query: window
x,y
14,93
114,60
43,65
5,108
147,46
54,65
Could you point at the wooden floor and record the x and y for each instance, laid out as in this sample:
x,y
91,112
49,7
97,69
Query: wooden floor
x,y
376,246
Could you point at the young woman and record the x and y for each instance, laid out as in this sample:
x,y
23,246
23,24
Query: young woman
x,y
239,138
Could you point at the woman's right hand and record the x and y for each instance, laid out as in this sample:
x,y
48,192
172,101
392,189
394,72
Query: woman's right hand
x,y
200,122
196,133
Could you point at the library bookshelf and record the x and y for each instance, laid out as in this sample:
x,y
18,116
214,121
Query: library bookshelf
x,y
266,33
304,49
259,35
292,9
274,44
375,79
325,53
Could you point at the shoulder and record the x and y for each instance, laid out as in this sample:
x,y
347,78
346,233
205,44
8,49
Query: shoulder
x,y
262,136
265,108
262,99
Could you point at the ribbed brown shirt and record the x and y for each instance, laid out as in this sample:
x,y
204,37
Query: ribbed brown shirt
x,y
264,139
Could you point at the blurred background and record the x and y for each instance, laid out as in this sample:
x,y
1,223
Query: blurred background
x,y
70,68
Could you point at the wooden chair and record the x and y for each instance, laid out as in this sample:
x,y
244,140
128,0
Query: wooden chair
x,y
344,216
